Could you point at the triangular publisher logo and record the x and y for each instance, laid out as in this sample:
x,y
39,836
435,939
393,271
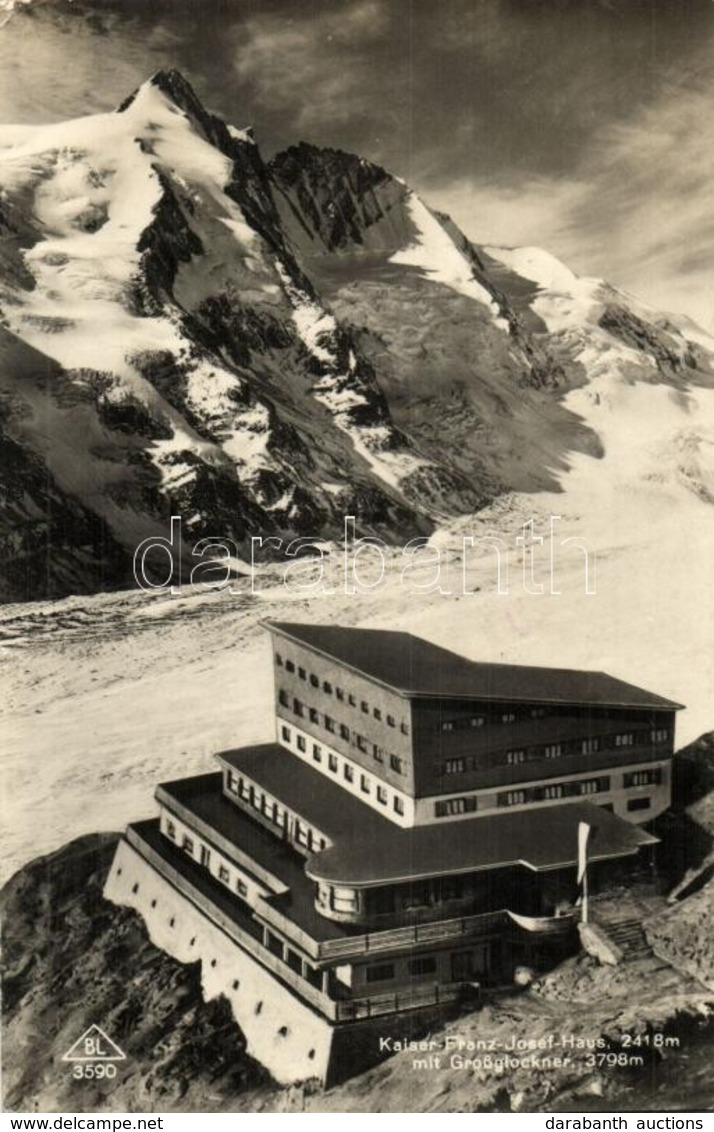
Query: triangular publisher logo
x,y
94,1045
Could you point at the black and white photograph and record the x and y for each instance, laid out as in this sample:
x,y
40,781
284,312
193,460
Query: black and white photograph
x,y
357,529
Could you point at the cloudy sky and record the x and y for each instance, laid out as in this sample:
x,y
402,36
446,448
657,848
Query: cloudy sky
x,y
584,126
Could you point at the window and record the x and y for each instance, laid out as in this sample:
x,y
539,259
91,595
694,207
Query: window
x,y
447,725
553,751
314,715
223,874
345,732
332,762
377,713
242,887
594,785
396,763
639,804
302,673
348,772
365,707
361,742
391,721
298,707
314,680
316,753
344,899
508,717
650,777
424,965
285,733
289,666
382,795
351,700
380,973
171,830
278,660
187,844
590,746
301,744
398,805
327,687
454,766
625,740
244,790
476,721
340,694
512,798
450,806
329,723
659,735
515,757
404,728
554,790
364,784
377,752
233,783
283,698
301,834
537,712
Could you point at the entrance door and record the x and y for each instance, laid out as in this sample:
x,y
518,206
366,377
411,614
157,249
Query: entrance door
x,y
462,967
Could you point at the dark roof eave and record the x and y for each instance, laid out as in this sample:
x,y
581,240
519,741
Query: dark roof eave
x,y
504,864
661,703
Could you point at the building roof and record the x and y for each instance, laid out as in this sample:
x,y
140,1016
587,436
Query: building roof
x,y
414,667
368,849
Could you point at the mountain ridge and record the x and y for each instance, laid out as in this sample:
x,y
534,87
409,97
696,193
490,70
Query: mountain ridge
x,y
262,348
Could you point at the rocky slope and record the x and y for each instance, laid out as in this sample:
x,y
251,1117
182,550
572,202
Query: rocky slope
x,y
72,961
266,348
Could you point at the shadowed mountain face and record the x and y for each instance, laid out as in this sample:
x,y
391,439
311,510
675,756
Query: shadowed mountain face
x,y
264,349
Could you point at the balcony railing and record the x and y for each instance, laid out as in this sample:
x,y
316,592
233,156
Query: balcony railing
x,y
241,936
413,935
211,834
397,1001
341,1010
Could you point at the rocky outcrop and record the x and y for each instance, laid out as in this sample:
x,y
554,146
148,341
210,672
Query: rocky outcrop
x,y
71,961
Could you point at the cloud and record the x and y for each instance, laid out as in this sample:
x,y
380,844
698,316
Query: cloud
x,y
637,208
581,125
312,67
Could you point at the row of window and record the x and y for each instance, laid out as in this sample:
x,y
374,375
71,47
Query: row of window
x,y
204,858
383,972
265,805
348,770
589,746
339,693
511,715
303,711
468,722
552,791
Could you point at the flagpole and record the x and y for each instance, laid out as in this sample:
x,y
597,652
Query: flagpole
x,y
583,836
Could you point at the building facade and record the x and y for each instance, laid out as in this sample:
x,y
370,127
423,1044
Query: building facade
x,y
409,837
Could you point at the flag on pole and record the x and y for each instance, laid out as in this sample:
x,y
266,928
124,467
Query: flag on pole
x,y
583,835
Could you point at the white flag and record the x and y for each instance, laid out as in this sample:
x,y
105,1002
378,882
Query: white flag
x,y
583,834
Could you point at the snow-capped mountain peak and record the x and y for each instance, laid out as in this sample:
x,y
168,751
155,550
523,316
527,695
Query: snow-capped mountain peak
x,y
268,348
